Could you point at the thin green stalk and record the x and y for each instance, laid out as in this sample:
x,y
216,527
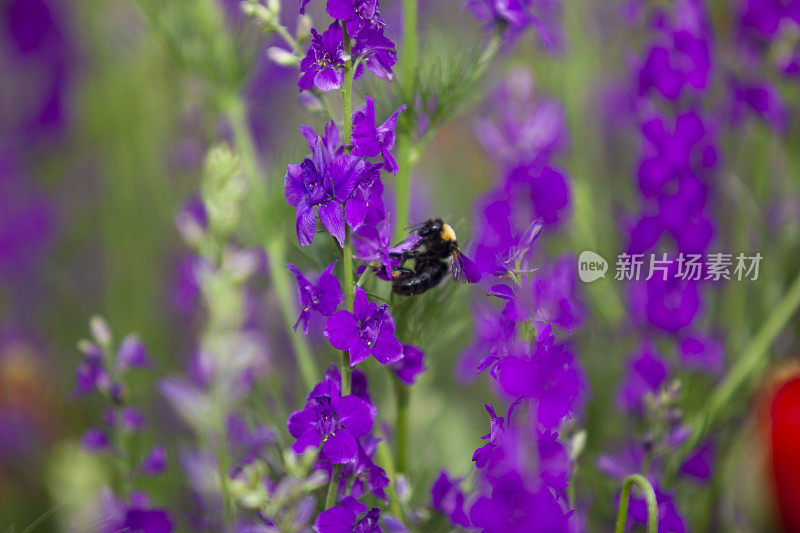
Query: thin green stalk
x,y
330,499
276,251
276,248
402,393
750,364
408,58
650,496
347,250
402,186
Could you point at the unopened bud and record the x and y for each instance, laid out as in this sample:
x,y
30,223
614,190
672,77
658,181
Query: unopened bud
x,y
282,56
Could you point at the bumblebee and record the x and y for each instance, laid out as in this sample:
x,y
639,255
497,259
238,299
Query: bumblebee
x,y
435,254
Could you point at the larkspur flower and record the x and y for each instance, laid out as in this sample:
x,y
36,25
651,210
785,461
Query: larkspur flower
x,y
377,52
335,422
345,519
549,376
325,181
365,206
410,365
370,140
521,128
368,330
372,244
155,462
134,516
537,300
358,14
646,372
511,506
323,65
448,498
322,297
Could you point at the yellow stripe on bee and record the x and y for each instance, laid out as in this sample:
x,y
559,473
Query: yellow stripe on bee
x,y
448,234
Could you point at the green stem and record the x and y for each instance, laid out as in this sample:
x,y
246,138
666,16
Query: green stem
x,y
650,496
333,488
408,58
402,186
347,86
276,251
749,365
402,393
276,248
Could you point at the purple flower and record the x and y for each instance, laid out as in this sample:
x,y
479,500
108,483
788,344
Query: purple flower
x,y
673,303
365,206
524,130
323,296
359,15
515,16
325,180
368,330
91,374
549,375
245,444
447,498
684,62
700,464
535,299
511,506
647,371
131,419
410,365
669,518
377,52
333,421
370,140
131,353
345,519
483,456
324,63
135,516
303,4
761,98
546,188
95,440
155,462
702,353
372,243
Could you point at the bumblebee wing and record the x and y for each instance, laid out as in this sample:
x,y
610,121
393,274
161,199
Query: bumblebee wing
x,y
464,269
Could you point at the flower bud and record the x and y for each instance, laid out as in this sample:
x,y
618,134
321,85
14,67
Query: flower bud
x,y
282,56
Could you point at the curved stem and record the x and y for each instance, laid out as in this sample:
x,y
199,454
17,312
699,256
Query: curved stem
x,y
650,497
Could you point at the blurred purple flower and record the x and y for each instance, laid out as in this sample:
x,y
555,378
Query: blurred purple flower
x,y
345,519
549,375
131,353
535,299
155,462
702,353
646,372
447,498
95,440
410,365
